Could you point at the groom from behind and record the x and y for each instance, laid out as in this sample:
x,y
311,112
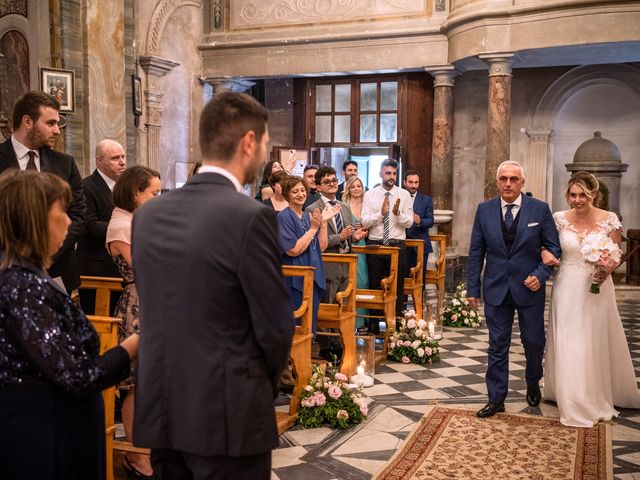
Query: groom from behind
x,y
509,232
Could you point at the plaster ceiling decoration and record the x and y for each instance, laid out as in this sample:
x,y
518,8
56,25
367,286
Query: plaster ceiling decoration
x,y
256,13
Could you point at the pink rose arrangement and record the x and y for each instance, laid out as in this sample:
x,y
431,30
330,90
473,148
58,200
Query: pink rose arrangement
x,y
328,399
458,313
411,342
602,253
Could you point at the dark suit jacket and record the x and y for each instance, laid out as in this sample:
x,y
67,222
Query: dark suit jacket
x,y
65,263
93,257
216,321
422,206
505,271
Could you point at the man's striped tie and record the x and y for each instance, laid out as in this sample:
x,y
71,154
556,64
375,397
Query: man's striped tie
x,y
339,225
385,221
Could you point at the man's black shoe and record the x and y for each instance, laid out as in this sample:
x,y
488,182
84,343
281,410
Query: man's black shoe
x,y
490,409
533,395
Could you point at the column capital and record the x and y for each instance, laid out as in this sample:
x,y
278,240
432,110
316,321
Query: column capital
x,y
220,85
157,66
540,135
500,64
442,75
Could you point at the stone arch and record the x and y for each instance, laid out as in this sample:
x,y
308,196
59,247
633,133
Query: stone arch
x,y
159,18
540,174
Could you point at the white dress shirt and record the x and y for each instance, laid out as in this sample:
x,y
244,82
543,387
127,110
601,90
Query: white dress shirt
x,y
514,210
109,181
22,152
372,217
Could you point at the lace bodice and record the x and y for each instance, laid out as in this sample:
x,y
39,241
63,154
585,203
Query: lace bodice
x,y
571,238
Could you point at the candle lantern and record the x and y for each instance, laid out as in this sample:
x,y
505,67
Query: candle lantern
x,y
365,360
431,309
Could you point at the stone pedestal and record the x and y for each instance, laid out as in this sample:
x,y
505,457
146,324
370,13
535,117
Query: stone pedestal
x,y
498,131
442,153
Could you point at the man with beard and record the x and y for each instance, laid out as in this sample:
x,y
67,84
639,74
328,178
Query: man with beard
x,y
387,212
93,257
349,169
35,120
216,317
309,177
422,217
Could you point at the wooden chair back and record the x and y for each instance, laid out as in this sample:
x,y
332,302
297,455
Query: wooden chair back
x,y
414,282
103,287
107,329
301,345
342,314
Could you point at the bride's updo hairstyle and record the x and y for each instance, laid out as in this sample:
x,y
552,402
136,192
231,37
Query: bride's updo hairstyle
x,y
588,183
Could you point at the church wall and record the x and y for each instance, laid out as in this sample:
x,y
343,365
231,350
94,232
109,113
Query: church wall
x,y
279,103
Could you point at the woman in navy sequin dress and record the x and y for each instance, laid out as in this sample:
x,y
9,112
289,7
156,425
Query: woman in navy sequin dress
x,y
51,373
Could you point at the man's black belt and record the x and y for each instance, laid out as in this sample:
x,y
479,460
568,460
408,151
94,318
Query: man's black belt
x,y
391,243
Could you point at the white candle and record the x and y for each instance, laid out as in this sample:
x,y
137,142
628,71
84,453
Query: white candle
x,y
432,330
360,371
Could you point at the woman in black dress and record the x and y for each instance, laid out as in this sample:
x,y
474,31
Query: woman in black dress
x,y
51,374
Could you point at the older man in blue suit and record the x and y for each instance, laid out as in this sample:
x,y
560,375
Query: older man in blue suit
x,y
422,217
509,233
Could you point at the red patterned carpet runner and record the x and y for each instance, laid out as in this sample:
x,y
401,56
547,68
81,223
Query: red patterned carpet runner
x,y
452,443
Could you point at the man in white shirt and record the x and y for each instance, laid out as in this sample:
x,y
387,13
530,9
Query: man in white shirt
x,y
387,212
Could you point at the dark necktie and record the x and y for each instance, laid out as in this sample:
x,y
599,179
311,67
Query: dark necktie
x,y
385,221
508,217
339,224
31,164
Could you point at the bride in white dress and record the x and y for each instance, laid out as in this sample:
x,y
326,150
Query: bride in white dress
x,y
588,366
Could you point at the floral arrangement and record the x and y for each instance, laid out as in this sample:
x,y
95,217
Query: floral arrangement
x,y
602,252
458,312
329,399
412,343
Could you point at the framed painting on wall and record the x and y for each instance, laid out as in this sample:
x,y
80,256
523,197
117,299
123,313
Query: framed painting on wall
x,y
137,95
60,84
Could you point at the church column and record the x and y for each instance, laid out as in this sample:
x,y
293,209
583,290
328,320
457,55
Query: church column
x,y
155,67
536,171
498,118
442,149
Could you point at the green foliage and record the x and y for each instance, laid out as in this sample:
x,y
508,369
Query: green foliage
x,y
458,312
411,343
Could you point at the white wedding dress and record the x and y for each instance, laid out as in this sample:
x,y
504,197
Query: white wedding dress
x,y
588,366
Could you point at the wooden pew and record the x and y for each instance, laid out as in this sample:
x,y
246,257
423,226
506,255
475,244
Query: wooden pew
x,y
103,287
385,298
301,344
436,276
413,283
342,314
107,329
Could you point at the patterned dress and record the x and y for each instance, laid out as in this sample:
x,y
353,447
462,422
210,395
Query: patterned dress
x,y
127,309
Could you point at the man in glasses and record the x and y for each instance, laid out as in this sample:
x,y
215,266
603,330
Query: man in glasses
x,y
508,235
341,234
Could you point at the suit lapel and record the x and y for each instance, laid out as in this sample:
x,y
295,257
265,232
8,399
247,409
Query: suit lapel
x,y
496,223
522,221
46,164
8,157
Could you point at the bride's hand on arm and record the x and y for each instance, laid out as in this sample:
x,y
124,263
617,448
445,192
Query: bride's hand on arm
x,y
549,258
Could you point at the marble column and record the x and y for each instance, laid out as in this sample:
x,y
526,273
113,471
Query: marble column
x,y
155,67
536,170
442,150
499,112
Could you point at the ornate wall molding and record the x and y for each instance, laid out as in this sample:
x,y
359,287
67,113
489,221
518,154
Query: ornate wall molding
x,y
259,13
159,19
18,7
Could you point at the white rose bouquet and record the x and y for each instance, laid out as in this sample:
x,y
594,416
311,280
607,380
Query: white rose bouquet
x,y
458,312
411,343
602,253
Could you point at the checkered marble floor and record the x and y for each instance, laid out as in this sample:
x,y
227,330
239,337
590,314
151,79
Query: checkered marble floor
x,y
402,393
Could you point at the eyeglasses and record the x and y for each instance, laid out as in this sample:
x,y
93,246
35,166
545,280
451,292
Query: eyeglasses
x,y
509,179
333,181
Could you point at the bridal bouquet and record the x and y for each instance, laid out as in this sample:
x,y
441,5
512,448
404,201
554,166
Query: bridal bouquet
x,y
411,342
601,252
330,399
458,312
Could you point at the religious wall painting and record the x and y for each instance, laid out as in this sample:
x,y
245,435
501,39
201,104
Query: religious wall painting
x,y
60,84
14,66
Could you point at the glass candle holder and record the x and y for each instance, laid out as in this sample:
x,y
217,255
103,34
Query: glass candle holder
x,y
431,311
365,360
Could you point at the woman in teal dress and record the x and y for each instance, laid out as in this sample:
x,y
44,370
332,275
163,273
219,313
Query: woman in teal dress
x,y
352,196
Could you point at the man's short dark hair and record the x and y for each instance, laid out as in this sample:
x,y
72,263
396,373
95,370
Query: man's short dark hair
x,y
311,167
29,104
347,163
225,120
323,171
410,172
389,162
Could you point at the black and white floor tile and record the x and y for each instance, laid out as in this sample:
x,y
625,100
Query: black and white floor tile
x,y
402,393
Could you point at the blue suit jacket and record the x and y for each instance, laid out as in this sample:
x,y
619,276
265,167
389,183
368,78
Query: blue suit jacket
x,y
506,270
422,206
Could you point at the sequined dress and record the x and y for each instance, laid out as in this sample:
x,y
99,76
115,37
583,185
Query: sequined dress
x,y
51,376
588,367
